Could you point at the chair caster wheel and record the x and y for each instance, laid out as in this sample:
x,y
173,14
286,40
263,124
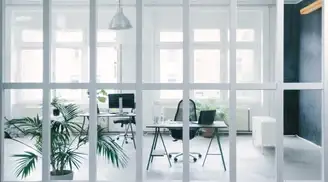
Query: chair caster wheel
x,y
117,138
195,159
126,142
175,160
199,155
170,156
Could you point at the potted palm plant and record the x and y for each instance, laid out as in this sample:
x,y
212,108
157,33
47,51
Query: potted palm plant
x,y
67,136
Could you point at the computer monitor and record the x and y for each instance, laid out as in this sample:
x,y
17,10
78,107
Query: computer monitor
x,y
127,100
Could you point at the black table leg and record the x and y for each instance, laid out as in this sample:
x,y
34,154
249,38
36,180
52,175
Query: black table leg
x,y
152,147
166,153
208,148
219,143
134,143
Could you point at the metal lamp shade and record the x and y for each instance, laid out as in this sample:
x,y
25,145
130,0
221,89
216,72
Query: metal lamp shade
x,y
120,21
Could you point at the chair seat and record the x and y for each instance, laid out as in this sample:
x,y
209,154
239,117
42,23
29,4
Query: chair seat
x,y
125,121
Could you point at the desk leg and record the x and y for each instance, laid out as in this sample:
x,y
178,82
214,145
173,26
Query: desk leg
x,y
134,143
159,131
152,147
167,154
219,143
208,149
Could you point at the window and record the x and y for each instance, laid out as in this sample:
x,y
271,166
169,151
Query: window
x,y
32,36
171,37
244,35
107,65
245,66
206,94
29,96
171,66
69,36
106,36
206,35
68,65
206,70
206,66
31,65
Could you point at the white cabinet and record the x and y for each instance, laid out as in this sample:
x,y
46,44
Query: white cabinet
x,y
264,131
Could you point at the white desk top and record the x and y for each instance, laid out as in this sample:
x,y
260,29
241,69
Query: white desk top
x,y
173,124
106,114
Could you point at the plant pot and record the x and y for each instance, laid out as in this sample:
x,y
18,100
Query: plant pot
x,y
55,112
64,175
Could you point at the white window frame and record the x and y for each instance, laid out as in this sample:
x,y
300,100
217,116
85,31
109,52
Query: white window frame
x,y
259,46
20,45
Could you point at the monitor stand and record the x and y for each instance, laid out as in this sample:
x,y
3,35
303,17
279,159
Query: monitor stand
x,y
120,105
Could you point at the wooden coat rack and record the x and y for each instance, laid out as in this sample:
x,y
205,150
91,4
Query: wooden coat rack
x,y
311,7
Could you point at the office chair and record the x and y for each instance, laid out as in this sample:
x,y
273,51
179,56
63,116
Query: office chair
x,y
127,124
177,133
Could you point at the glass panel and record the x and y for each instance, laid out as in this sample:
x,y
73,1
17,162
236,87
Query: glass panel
x,y
22,143
162,45
207,66
245,35
23,42
303,135
249,69
170,37
171,65
68,65
71,142
32,36
106,36
210,147
69,36
256,135
31,62
118,48
107,66
161,157
246,67
206,35
116,133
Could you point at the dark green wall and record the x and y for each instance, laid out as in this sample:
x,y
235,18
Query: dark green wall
x,y
302,63
291,68
310,71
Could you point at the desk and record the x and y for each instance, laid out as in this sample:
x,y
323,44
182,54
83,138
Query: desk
x,y
112,115
171,125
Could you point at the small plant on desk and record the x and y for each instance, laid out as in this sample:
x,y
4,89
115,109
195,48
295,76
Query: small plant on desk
x,y
101,97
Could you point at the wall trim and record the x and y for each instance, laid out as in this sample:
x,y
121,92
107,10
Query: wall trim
x,y
308,141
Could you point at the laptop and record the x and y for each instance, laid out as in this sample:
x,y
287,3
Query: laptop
x,y
206,117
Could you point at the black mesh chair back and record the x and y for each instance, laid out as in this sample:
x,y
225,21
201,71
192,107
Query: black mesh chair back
x,y
192,111
177,133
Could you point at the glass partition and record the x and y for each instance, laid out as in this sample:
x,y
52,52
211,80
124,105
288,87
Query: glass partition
x,y
23,140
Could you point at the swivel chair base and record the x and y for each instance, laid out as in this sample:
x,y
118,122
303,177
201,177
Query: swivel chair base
x,y
191,154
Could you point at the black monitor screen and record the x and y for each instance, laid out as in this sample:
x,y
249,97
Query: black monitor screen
x,y
127,100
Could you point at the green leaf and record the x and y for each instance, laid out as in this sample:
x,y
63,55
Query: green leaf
x,y
25,164
108,148
102,99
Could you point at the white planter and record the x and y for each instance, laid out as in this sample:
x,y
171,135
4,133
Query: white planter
x,y
68,176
